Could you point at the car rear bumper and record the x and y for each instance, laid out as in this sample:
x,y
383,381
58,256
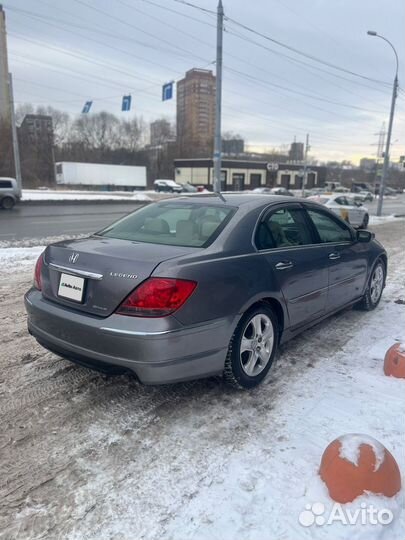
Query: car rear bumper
x,y
156,356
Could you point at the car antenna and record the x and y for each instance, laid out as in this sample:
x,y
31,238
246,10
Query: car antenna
x,y
219,194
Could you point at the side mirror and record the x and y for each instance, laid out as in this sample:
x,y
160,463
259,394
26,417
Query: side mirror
x,y
358,203
364,236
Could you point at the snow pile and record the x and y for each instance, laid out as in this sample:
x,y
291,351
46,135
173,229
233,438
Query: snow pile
x,y
14,259
379,220
76,195
350,448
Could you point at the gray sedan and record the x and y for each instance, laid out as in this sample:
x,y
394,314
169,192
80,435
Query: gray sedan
x,y
199,286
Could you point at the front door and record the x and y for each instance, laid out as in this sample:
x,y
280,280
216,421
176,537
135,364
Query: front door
x,y
347,259
238,180
297,264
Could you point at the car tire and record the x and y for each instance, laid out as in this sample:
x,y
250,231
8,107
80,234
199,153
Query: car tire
x,y
7,203
375,287
366,219
259,329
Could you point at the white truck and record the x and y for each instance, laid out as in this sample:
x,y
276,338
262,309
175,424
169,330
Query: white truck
x,y
101,176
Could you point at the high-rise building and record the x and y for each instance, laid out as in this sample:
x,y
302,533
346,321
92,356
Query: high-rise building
x,y
196,113
5,111
35,137
161,131
296,152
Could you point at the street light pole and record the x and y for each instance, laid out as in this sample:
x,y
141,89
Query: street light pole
x,y
304,176
390,123
16,151
218,98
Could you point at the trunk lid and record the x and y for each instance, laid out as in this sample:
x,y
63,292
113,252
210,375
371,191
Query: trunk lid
x,y
110,268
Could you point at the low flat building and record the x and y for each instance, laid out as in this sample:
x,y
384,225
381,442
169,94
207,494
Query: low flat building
x,y
238,175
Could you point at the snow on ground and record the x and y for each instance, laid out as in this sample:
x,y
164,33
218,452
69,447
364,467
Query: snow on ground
x,y
77,195
15,259
88,457
378,220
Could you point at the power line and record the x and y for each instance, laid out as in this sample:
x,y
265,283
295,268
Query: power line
x,y
48,20
311,96
285,45
130,25
193,37
304,65
189,4
178,13
305,55
208,44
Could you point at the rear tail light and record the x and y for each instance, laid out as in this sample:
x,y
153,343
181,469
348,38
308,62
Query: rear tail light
x,y
37,273
157,297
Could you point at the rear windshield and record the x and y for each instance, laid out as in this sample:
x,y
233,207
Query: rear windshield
x,y
175,224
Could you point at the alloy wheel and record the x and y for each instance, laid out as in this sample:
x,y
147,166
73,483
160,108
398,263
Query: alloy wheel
x,y
257,344
377,283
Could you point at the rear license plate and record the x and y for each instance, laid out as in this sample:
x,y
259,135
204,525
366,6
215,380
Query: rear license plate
x,y
71,287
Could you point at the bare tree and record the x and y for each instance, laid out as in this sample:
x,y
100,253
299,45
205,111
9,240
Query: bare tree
x,y
97,131
130,134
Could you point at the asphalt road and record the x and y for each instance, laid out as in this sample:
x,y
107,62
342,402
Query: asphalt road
x,y
52,220
41,221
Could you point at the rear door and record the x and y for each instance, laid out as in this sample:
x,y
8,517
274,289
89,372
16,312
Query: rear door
x,y
347,258
300,265
349,212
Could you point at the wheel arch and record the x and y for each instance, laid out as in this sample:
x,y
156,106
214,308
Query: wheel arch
x,y
277,307
383,257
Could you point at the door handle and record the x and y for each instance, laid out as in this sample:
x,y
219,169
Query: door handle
x,y
284,265
333,256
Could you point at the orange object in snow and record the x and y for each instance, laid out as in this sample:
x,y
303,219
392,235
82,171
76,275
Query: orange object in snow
x,y
354,464
394,361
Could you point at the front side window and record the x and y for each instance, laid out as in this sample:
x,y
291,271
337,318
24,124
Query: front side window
x,y
283,228
5,184
175,224
329,230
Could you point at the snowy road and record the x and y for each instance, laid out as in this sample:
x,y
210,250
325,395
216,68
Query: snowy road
x,y
85,457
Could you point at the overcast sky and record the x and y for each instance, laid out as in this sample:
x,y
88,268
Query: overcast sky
x,y
64,53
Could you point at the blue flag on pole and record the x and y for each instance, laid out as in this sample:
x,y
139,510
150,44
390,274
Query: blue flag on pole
x,y
126,103
167,91
87,107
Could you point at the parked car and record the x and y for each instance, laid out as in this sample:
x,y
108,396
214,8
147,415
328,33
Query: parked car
x,y
316,191
261,190
199,286
167,185
9,192
188,188
348,209
364,196
341,189
281,191
387,191
390,191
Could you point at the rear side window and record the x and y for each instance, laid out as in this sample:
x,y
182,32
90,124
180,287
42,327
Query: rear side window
x,y
328,229
5,184
176,224
283,228
343,201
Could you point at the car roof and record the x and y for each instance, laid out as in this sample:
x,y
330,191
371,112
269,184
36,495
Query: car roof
x,y
236,199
